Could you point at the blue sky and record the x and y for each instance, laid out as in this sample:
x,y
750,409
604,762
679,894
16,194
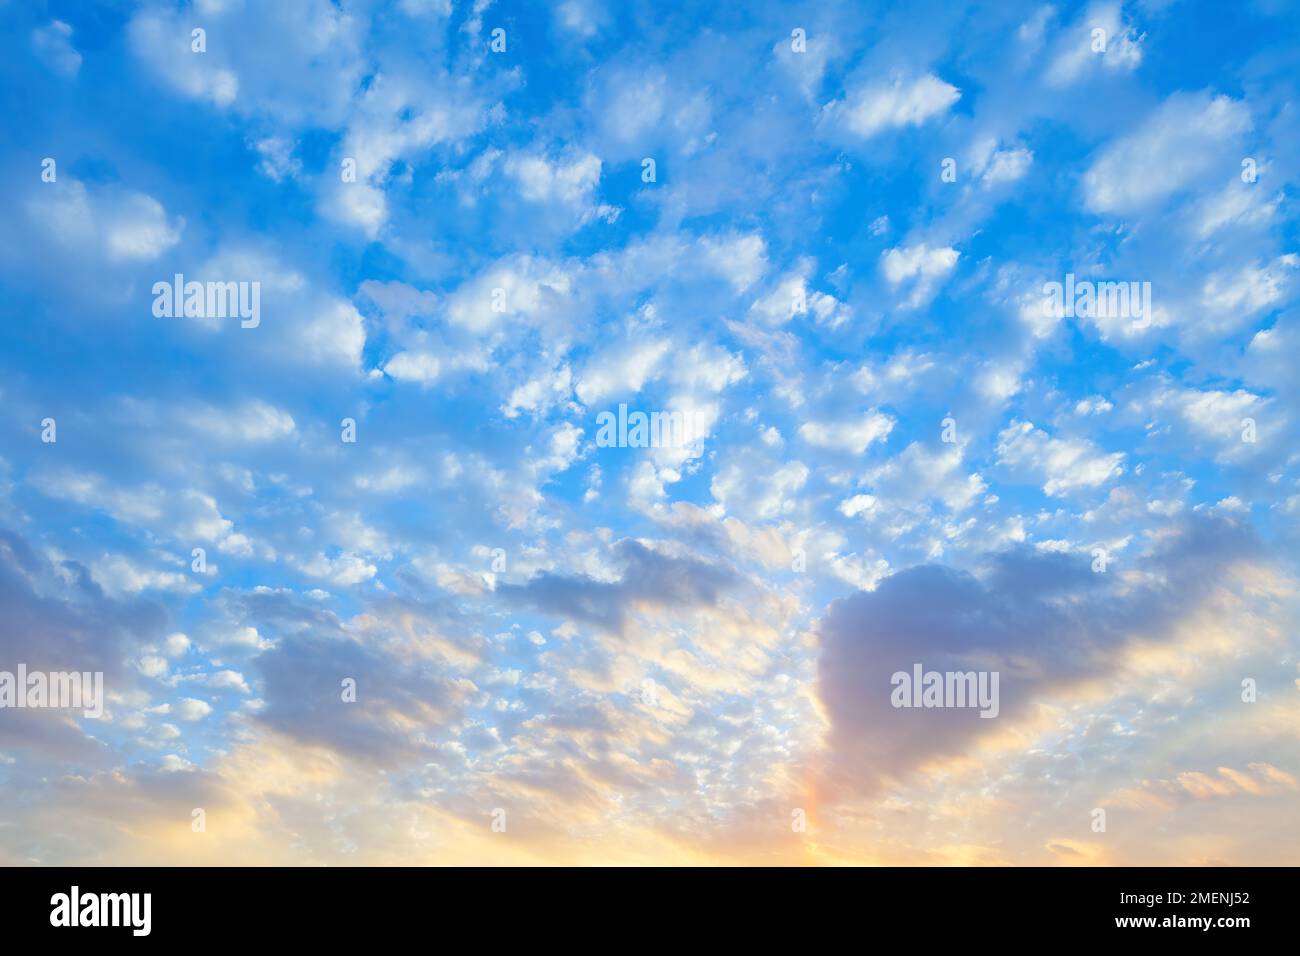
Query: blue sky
x,y
651,654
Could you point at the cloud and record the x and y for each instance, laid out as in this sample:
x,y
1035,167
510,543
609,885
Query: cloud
x,y
121,226
229,680
1216,419
1237,294
740,258
57,618
1255,780
250,422
792,298
303,686
641,110
163,40
747,489
853,436
902,101
569,183
1099,41
582,18
119,575
647,655
921,267
1063,465
300,322
53,44
648,579
1181,144
920,474
256,62
621,372
421,368
519,288
343,570
192,710
278,161
995,165
1044,621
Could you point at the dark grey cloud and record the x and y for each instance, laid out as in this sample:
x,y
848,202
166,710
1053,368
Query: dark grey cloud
x,y
648,578
1040,620
55,618
302,685
58,618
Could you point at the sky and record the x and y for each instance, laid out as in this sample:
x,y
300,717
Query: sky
x,y
368,584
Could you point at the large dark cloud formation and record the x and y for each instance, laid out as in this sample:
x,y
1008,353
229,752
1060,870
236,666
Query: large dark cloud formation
x,y
1041,620
55,617
405,695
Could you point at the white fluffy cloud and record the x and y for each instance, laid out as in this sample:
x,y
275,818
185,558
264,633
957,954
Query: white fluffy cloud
x,y
921,267
567,180
1099,40
1062,464
122,226
852,435
419,367
994,164
920,474
519,288
759,494
117,574
249,422
191,709
621,371
1188,137
343,570
900,101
